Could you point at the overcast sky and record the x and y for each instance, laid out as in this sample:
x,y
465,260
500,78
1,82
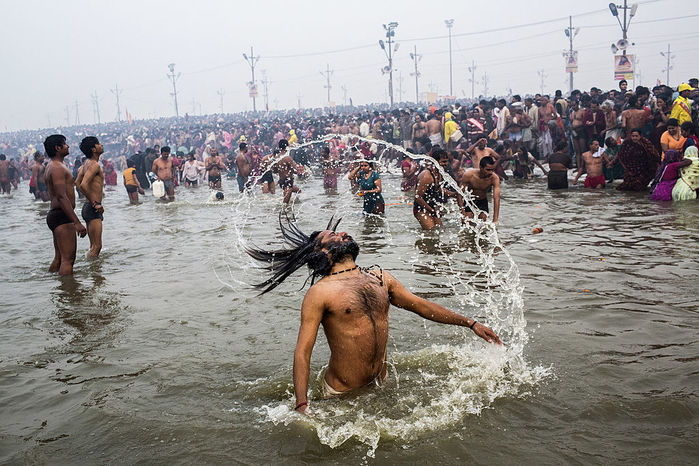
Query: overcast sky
x,y
55,53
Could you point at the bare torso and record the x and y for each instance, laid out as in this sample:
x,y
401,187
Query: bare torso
x,y
94,189
63,171
434,126
356,327
593,165
163,168
478,186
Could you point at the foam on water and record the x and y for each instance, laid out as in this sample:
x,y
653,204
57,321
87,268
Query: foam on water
x,y
434,387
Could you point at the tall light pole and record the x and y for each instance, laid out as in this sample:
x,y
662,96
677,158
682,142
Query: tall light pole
x,y
117,92
265,84
571,32
668,56
472,70
542,78
450,24
415,57
485,84
252,85
629,12
390,34
221,93
174,77
327,73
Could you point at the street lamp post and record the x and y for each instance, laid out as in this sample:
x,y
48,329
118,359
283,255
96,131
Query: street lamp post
x,y
450,24
252,61
416,58
174,77
390,29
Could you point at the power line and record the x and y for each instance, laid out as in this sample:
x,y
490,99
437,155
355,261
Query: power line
x,y
415,57
221,93
96,107
252,85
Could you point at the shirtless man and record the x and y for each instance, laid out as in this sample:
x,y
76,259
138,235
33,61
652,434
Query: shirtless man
x,y
267,177
352,305
90,183
480,149
244,164
479,181
162,167
635,116
430,196
593,162
285,168
214,166
331,168
38,169
434,130
4,174
61,219
419,129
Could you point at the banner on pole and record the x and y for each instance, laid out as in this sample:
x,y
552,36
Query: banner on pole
x,y
623,67
572,62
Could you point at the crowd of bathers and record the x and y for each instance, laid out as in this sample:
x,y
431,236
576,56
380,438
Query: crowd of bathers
x,y
640,136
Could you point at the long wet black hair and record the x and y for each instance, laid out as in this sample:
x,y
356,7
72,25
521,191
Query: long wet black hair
x,y
305,250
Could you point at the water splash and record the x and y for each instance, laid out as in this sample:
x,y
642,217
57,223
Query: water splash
x,y
434,387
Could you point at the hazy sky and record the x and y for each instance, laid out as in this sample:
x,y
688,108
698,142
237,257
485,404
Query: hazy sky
x,y
55,53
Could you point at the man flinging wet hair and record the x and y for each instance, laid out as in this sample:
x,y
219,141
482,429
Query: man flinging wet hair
x,y
351,303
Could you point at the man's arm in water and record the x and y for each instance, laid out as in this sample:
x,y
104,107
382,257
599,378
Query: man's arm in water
x,y
496,198
311,315
401,297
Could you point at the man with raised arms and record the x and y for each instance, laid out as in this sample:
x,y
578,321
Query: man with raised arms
x,y
352,304
61,219
90,183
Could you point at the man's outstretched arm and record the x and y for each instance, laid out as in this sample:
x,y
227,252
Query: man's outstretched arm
x,y
401,297
311,315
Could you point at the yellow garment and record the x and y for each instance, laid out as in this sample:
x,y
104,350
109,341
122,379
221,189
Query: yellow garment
x,y
681,110
293,139
688,182
450,126
130,177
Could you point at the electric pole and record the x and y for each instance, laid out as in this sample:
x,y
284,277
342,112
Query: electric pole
x,y
485,84
220,93
327,73
542,77
265,83
344,94
669,57
416,58
77,115
96,107
572,55
252,85
390,34
627,21
117,92
67,115
450,24
174,77
472,70
400,86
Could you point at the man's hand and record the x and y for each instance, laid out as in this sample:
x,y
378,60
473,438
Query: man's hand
x,y
486,333
98,208
80,228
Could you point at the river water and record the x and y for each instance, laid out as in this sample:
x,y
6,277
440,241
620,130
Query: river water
x,y
160,352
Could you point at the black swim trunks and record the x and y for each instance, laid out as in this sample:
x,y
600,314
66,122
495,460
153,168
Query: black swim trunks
x,y
56,217
480,203
267,177
89,213
214,178
286,183
131,188
41,187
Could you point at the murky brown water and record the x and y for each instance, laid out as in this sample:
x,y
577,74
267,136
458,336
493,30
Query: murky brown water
x,y
146,356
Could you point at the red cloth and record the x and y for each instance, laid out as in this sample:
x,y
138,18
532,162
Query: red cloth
x,y
594,181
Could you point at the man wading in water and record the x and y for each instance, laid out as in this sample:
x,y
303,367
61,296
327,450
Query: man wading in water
x,y
351,303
